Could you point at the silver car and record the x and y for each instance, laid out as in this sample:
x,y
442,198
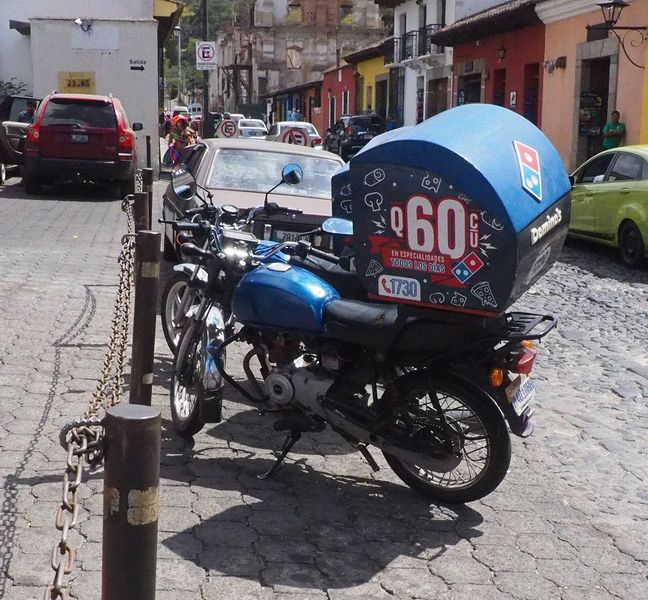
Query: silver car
x,y
281,132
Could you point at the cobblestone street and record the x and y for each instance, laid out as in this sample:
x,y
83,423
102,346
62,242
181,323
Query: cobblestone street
x,y
569,522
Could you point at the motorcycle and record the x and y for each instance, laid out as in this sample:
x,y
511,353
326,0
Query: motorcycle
x,y
436,392
200,229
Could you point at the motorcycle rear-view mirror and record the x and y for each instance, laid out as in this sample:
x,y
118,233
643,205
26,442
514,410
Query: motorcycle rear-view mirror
x,y
184,184
338,226
292,174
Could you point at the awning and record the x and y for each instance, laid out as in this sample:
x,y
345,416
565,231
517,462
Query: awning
x,y
21,27
292,89
510,16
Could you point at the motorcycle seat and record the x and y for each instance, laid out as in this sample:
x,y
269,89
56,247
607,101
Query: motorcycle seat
x,y
361,322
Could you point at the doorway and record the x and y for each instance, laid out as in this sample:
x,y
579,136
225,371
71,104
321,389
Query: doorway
x,y
595,88
469,89
437,96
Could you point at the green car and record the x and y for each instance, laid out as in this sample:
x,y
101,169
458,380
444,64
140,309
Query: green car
x,y
610,201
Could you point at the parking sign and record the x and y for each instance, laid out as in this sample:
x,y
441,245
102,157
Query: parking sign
x,y
206,56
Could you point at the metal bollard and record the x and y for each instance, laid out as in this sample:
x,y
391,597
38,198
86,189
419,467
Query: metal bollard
x,y
141,211
131,502
147,277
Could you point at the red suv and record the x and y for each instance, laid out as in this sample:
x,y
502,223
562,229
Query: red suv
x,y
77,135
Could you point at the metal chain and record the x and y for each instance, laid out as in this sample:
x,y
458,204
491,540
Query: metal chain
x,y
83,437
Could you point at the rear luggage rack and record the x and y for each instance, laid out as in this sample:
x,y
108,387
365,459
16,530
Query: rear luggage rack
x,y
519,326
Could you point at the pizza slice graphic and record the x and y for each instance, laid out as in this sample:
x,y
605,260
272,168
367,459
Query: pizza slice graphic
x,y
483,292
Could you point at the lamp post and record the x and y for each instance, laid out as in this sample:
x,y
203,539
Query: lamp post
x,y
612,10
178,33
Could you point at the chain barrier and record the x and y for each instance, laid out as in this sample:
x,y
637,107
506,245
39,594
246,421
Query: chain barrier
x,y
82,438
139,180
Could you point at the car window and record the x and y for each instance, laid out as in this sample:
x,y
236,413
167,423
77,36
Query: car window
x,y
251,123
594,171
231,170
626,167
17,106
79,112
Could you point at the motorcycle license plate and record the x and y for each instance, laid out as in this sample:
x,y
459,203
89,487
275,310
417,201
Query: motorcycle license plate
x,y
520,392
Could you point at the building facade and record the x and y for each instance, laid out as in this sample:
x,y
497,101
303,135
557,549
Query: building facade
x,y
99,47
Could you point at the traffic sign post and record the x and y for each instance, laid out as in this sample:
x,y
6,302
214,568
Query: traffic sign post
x,y
296,136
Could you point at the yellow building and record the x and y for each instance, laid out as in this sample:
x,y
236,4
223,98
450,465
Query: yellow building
x,y
372,79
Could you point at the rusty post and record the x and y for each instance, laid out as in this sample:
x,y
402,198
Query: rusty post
x,y
141,211
131,502
147,276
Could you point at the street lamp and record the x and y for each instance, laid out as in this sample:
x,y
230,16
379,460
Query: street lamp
x,y
177,31
612,10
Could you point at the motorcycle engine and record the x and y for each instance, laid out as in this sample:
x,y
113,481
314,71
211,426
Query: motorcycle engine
x,y
300,381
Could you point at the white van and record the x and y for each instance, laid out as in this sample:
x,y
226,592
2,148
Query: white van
x,y
195,111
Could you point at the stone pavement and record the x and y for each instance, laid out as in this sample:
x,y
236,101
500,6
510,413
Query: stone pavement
x,y
569,521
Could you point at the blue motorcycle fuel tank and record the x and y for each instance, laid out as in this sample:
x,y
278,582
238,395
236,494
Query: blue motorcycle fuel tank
x,y
282,297
463,212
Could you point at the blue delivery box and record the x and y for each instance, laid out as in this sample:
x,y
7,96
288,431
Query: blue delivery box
x,y
463,212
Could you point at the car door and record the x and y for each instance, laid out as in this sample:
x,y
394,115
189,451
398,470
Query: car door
x,y
588,184
12,131
619,189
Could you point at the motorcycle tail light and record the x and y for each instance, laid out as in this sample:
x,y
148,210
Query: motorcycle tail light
x,y
523,362
496,377
347,131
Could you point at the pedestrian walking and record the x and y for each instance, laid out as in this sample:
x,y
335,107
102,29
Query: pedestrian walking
x,y
613,131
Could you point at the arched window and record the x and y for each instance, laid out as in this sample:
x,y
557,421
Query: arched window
x,y
295,13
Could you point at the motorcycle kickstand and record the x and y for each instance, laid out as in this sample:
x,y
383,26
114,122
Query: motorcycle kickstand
x,y
289,442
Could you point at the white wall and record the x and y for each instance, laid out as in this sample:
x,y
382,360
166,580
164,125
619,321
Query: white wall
x,y
122,31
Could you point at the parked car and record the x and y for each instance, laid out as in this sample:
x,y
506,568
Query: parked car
x,y
277,132
80,135
12,133
351,133
240,172
610,201
252,128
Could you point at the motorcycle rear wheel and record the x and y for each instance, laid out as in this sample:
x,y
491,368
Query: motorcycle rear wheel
x,y
479,433
186,384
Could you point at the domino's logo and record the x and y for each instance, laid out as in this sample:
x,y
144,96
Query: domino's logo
x,y
529,163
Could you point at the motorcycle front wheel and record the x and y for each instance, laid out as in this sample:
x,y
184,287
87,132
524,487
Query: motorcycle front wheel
x,y
476,431
186,384
169,304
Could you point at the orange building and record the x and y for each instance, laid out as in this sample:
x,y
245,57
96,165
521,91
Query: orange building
x,y
587,75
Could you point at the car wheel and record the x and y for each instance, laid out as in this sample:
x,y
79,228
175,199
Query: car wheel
x,y
631,245
3,173
32,185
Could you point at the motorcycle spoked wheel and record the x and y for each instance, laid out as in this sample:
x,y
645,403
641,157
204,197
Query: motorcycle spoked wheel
x,y
169,304
479,435
186,384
